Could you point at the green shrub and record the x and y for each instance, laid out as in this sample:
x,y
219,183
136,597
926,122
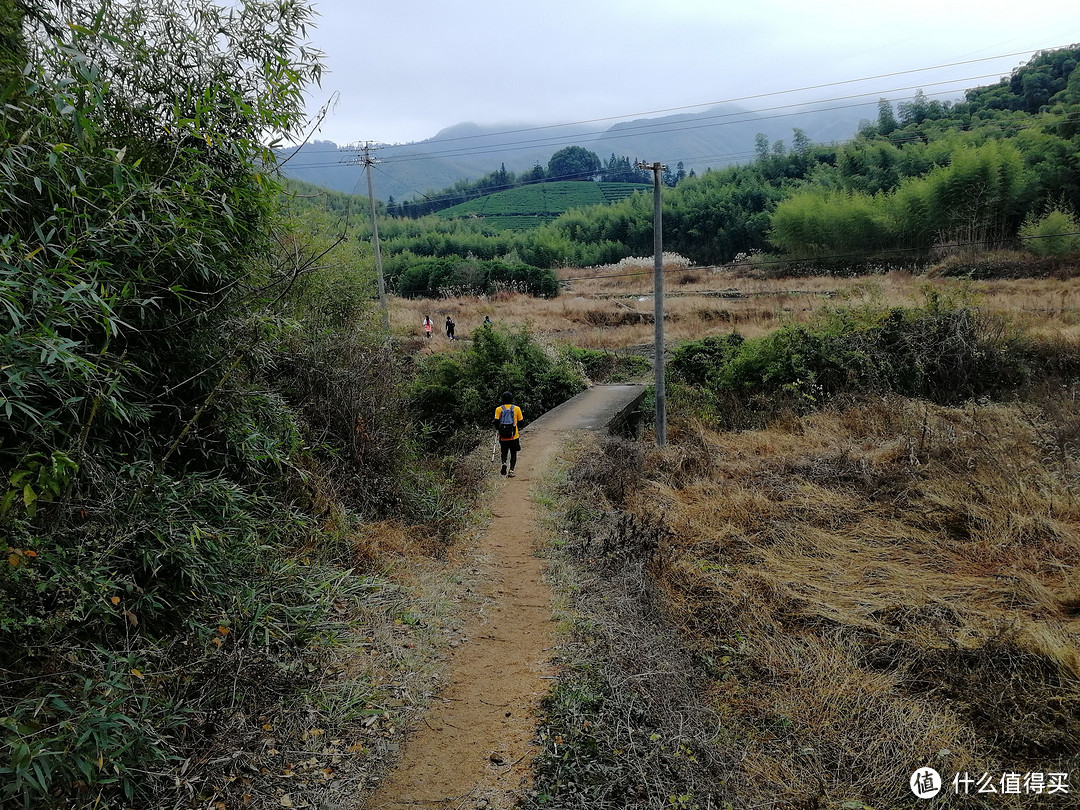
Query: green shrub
x,y
179,379
89,618
941,352
454,275
460,392
1056,233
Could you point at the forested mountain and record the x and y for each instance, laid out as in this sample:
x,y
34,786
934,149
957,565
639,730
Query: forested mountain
x,y
717,137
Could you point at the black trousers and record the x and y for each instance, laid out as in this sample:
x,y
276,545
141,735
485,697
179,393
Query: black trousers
x,y
511,447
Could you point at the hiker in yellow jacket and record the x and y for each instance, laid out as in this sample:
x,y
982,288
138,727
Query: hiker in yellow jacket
x,y
508,420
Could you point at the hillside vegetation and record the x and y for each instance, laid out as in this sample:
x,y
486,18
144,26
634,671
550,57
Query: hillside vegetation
x,y
533,205
209,450
926,179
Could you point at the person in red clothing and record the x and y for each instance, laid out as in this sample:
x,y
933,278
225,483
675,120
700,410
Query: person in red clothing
x,y
508,421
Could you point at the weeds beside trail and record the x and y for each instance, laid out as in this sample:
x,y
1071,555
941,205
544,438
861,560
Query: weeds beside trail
x,y
627,722
803,615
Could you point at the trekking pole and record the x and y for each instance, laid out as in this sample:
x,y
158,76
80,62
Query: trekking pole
x,y
495,447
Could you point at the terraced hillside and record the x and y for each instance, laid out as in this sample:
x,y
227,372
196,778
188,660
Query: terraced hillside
x,y
533,205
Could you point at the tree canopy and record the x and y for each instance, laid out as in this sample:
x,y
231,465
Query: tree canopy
x,y
574,163
154,342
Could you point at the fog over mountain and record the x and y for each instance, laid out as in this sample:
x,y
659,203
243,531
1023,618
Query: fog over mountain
x,y
714,138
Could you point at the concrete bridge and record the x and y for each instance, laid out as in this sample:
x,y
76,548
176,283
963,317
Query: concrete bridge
x,y
614,408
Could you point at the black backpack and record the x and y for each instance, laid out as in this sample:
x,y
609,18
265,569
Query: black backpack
x,y
507,423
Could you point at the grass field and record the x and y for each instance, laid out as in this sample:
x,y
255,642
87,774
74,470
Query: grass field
x,y
803,616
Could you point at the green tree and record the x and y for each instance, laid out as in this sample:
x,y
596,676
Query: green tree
x,y
620,169
920,109
573,163
761,147
886,121
817,222
800,142
534,175
1055,233
714,217
138,298
129,145
976,199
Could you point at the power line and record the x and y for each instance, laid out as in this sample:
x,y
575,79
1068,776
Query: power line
x,y
668,127
734,100
730,156
662,127
769,262
654,128
758,95
464,196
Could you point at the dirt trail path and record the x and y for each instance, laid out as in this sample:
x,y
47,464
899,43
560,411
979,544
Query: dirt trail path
x,y
474,746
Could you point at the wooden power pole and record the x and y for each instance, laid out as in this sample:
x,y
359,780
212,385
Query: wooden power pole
x,y
368,161
658,304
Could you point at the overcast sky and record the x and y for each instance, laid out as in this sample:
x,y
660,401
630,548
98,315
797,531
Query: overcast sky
x,y
404,69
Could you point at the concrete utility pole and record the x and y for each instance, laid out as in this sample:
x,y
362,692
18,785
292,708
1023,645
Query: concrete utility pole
x,y
658,303
368,161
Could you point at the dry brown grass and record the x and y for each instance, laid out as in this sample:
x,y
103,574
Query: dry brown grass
x,y
873,590
616,318
940,536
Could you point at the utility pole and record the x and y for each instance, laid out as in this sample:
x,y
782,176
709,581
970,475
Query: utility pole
x,y
658,304
368,161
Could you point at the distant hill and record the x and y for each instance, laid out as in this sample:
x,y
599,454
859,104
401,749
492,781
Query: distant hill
x,y
715,138
529,206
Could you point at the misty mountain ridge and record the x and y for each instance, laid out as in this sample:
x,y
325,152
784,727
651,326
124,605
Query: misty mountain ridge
x,y
713,138
510,131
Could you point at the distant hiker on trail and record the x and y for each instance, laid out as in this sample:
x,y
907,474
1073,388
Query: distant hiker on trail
x,y
427,326
487,321
508,418
450,328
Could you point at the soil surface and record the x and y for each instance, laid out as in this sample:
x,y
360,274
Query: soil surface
x,y
474,747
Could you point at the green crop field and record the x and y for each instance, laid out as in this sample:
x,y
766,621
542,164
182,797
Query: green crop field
x,y
533,205
517,222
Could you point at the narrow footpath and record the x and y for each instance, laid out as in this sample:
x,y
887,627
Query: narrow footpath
x,y
473,748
